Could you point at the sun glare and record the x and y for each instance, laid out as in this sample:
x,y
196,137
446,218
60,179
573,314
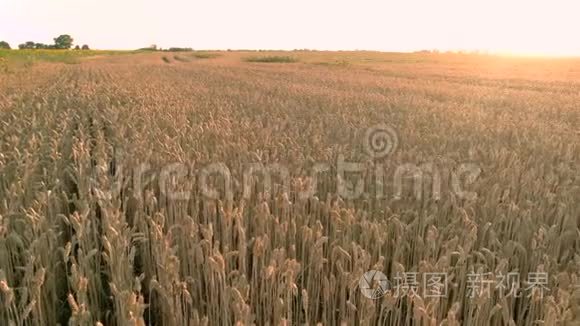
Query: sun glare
x,y
538,28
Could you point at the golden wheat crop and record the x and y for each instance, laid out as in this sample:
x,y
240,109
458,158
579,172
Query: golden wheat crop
x,y
89,235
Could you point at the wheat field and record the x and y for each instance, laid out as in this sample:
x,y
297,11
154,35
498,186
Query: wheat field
x,y
93,153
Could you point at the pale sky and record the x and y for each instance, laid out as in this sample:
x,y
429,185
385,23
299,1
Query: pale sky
x,y
518,26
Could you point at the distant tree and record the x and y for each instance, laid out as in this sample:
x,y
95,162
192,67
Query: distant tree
x,y
40,46
152,47
77,47
27,45
86,47
4,45
63,42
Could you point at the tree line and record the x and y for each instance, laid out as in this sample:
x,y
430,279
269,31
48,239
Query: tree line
x,y
62,42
